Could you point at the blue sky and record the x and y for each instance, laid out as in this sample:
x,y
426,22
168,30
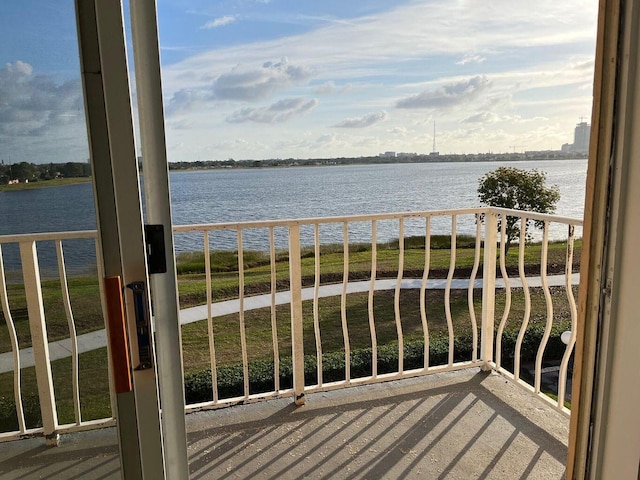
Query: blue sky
x,y
276,79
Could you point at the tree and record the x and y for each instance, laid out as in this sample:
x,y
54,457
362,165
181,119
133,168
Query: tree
x,y
509,187
23,171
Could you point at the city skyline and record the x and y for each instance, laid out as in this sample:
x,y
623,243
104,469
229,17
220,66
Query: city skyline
x,y
278,79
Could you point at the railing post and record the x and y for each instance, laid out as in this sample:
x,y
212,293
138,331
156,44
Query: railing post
x,y
488,288
295,286
39,342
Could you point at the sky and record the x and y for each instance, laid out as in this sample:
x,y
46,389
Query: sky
x,y
259,79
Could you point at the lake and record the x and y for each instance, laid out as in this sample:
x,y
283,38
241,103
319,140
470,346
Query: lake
x,y
213,196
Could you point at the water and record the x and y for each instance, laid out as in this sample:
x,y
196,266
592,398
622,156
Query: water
x,y
213,196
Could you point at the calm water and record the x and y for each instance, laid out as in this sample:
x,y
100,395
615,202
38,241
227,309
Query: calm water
x,y
239,195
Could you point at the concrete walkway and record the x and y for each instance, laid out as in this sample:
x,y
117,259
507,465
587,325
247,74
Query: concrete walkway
x,y
98,339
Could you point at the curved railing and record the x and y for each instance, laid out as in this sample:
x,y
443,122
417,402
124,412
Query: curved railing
x,y
497,284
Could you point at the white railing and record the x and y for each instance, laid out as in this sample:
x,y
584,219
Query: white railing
x,y
488,241
40,348
488,336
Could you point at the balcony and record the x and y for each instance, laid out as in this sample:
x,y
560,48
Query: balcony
x,y
419,343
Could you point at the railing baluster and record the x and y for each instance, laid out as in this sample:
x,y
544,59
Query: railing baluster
x,y
15,348
372,289
564,364
489,289
507,291
243,336
64,289
447,288
486,340
549,304
343,302
472,280
297,345
396,298
210,331
316,291
527,299
423,289
37,324
274,322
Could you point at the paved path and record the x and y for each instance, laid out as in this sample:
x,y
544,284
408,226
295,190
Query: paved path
x,y
98,339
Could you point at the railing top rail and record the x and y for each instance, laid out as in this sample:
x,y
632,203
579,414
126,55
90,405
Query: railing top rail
x,y
537,216
321,220
48,236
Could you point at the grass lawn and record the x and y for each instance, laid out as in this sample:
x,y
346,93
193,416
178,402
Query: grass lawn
x,y
85,295
85,300
195,340
57,182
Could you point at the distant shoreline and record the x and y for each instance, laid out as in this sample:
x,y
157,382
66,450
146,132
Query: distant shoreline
x,y
58,182
332,162
319,162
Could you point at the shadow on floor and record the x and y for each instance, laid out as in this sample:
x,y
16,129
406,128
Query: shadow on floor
x,y
409,429
466,424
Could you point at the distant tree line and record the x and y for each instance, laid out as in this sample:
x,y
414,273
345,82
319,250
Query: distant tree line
x,y
415,158
32,172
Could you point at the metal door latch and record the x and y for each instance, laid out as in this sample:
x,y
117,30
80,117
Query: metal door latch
x,y
143,324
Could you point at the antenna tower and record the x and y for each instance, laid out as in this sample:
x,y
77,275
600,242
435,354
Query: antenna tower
x,y
434,136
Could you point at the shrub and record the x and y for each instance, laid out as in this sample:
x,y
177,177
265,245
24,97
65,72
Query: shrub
x,y
261,372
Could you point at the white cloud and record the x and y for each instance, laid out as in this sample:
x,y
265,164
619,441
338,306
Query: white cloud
x,y
260,83
369,44
33,104
482,117
40,119
278,112
18,69
398,131
330,87
364,121
218,22
471,58
448,95
537,61
326,88
183,100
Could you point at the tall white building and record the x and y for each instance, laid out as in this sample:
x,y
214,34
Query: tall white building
x,y
581,136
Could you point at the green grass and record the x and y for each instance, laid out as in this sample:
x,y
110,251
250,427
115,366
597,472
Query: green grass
x,y
259,333
94,391
57,182
84,295
85,300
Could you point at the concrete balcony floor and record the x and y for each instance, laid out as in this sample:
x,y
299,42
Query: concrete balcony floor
x,y
465,424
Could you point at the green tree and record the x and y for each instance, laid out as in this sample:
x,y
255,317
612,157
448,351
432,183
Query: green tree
x,y
72,169
23,171
509,187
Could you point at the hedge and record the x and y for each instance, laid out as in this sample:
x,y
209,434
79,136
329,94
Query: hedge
x,y
261,372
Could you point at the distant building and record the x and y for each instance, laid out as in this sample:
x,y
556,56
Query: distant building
x,y
581,137
388,154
